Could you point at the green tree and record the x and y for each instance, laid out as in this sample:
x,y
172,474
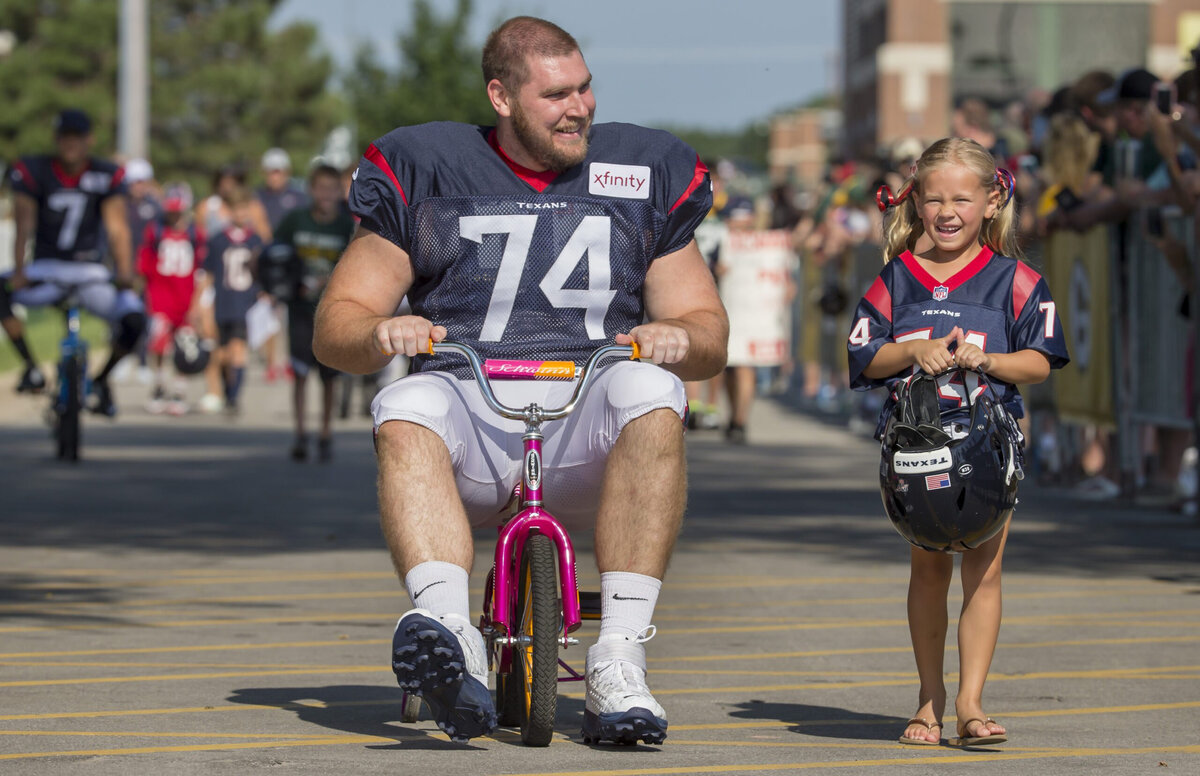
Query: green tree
x,y
223,87
65,56
438,78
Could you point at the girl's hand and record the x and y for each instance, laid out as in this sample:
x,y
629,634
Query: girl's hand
x,y
934,356
971,356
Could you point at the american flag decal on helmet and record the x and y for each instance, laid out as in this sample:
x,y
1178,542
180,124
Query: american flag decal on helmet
x,y
937,481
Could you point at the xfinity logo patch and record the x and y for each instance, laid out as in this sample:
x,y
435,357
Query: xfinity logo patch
x,y
917,463
629,181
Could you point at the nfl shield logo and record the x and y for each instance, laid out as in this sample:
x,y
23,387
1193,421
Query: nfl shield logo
x,y
940,293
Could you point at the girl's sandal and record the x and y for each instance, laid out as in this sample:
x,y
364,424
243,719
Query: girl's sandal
x,y
921,741
965,740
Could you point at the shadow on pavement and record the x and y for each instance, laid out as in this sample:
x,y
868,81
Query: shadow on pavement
x,y
362,710
823,721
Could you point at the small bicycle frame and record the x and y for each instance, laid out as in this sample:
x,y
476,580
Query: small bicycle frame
x,y
505,586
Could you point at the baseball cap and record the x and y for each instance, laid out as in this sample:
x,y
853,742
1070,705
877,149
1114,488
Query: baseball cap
x,y
138,169
177,199
276,159
1137,83
72,121
739,207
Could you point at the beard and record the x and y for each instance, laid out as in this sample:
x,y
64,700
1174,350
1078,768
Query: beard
x,y
539,141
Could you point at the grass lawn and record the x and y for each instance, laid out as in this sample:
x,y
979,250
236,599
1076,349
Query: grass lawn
x,y
44,329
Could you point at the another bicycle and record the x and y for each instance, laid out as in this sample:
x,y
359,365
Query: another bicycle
x,y
72,384
531,601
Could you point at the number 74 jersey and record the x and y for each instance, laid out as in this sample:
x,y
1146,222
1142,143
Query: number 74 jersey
x,y
1000,304
522,264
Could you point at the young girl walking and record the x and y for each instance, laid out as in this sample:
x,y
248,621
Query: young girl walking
x,y
953,293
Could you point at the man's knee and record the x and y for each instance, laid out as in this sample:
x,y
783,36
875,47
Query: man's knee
x,y
129,330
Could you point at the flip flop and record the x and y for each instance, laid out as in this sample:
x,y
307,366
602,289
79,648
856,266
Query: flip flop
x,y
964,740
921,741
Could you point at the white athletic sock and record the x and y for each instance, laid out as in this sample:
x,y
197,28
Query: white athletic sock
x,y
626,604
440,588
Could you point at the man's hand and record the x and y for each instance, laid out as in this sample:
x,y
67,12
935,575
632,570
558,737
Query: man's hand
x,y
123,281
407,334
17,280
659,342
934,356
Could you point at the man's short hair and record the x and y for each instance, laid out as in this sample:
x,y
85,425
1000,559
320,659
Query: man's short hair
x,y
505,55
1086,90
321,169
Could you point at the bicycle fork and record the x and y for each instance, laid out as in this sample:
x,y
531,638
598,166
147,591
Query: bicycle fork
x,y
532,517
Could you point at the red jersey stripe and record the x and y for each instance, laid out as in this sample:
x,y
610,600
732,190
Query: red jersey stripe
x,y
962,276
880,298
1024,281
28,179
697,179
375,156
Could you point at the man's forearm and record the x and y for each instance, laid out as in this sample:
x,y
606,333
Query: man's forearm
x,y
344,337
708,345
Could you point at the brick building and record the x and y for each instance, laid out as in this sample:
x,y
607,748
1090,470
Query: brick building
x,y
908,62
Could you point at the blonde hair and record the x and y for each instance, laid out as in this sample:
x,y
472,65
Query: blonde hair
x,y
904,227
1071,149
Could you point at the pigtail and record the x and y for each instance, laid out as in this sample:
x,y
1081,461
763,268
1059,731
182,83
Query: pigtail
x,y
1000,231
902,228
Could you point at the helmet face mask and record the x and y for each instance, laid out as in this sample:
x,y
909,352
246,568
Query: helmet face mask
x,y
948,482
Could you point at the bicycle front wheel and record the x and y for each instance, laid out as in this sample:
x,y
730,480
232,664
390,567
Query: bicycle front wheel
x,y
71,385
539,614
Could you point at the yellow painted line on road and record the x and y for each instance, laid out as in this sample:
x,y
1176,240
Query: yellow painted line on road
x,y
931,759
1138,640
1108,619
124,664
189,677
293,706
314,618
857,722
1114,674
328,741
234,578
159,734
286,598
195,648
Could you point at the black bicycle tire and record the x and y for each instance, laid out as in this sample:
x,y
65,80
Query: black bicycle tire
x,y
538,584
68,419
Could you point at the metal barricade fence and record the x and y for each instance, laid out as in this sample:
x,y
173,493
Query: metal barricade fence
x,y
1158,332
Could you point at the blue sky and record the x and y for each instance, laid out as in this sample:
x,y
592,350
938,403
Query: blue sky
x,y
711,64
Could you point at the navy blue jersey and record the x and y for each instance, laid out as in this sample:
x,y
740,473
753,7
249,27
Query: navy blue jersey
x,y
230,264
523,264
69,225
1001,305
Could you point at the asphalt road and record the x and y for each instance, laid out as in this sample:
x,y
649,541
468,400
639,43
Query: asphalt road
x,y
189,600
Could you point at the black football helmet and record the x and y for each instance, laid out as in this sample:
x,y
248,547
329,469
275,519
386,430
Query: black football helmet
x,y
949,486
191,352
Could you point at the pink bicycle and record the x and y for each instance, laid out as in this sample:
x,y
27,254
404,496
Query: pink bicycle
x,y
531,601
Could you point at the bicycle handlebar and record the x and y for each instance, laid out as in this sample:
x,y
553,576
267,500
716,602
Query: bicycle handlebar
x,y
489,396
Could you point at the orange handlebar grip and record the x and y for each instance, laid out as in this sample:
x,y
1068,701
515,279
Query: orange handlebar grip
x,y
637,352
429,347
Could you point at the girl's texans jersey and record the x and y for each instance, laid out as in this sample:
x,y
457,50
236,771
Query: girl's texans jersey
x,y
1001,305
527,265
